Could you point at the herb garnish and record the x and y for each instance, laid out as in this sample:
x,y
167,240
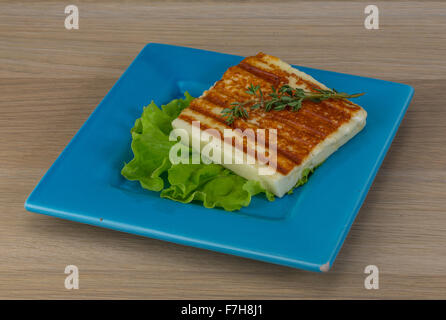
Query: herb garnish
x,y
285,96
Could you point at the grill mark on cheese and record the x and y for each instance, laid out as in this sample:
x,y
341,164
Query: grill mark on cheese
x,y
339,104
217,99
283,163
212,97
279,73
329,122
194,105
299,81
268,76
284,158
296,155
305,144
233,85
342,105
291,133
329,111
283,141
298,133
299,126
278,120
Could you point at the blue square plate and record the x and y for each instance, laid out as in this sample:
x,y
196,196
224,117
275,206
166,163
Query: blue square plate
x,y
303,230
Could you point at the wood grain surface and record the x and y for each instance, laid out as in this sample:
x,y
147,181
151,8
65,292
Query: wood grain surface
x,y
51,79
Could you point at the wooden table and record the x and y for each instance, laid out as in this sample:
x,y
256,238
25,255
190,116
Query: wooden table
x,y
51,79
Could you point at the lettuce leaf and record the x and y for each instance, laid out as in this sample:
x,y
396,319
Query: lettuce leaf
x,y
254,187
211,184
151,145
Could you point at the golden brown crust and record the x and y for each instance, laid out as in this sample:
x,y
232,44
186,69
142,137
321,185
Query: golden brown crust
x,y
298,133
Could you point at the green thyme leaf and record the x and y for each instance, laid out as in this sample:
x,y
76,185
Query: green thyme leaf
x,y
279,99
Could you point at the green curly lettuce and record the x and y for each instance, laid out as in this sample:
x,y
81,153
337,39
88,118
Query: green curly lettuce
x,y
211,184
151,145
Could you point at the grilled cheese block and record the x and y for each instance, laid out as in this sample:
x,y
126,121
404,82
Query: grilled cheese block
x,y
305,138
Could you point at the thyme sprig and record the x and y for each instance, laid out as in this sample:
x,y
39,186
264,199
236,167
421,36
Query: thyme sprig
x,y
279,99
